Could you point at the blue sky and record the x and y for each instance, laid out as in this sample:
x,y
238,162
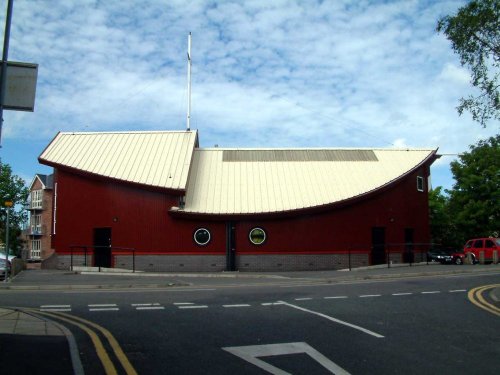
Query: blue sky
x,y
265,74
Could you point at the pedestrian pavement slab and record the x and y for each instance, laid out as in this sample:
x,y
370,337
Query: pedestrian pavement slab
x,y
21,323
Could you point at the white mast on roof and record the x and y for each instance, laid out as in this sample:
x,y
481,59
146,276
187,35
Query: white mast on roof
x,y
189,84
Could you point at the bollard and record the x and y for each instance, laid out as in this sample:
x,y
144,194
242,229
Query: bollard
x,y
495,256
468,258
481,257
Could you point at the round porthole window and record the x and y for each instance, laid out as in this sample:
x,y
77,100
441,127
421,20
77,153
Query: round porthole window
x,y
202,236
257,236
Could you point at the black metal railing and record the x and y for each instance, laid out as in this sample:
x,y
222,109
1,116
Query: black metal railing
x,y
113,251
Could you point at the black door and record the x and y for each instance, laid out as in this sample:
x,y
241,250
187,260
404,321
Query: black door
x,y
230,246
102,247
378,245
408,254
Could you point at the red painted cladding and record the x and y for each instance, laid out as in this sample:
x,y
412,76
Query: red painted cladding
x,y
349,227
138,218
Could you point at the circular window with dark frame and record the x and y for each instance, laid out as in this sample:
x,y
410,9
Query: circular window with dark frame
x,y
202,236
257,236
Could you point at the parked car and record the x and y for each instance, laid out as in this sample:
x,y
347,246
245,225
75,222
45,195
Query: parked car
x,y
2,268
458,257
440,256
486,245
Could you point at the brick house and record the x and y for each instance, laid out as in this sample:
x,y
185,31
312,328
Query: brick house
x,y
40,226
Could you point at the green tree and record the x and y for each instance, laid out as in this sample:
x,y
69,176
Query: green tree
x,y
475,36
442,228
12,188
475,197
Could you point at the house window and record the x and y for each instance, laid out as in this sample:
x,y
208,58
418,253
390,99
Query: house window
x,y
202,236
257,236
36,199
36,248
36,224
420,183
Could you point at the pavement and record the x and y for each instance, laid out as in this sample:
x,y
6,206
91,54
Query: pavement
x,y
24,333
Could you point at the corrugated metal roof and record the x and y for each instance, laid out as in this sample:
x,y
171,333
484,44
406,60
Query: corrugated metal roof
x,y
160,159
250,184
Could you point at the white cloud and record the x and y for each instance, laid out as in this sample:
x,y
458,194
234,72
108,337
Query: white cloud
x,y
280,73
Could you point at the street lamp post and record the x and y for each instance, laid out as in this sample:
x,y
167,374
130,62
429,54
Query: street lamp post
x,y
8,205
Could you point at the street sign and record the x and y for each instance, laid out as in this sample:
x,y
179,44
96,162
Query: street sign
x,y
21,86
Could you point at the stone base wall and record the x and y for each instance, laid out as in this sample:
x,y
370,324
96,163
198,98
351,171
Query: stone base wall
x,y
301,262
217,263
63,262
173,263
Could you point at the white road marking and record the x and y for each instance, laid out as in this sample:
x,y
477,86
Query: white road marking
x,y
334,320
240,305
271,303
335,297
145,304
303,299
457,290
183,303
432,292
103,307
55,308
401,294
370,295
252,352
193,307
150,308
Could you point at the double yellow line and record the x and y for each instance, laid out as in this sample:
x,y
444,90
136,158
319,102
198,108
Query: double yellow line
x,y
476,297
103,355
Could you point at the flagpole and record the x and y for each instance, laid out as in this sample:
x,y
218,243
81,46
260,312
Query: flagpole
x,y
188,122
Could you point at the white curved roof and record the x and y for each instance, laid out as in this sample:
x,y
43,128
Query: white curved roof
x,y
235,181
155,158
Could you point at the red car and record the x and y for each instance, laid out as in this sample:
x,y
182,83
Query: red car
x,y
475,247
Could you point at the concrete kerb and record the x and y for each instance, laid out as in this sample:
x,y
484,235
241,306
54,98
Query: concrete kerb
x,y
330,277
19,321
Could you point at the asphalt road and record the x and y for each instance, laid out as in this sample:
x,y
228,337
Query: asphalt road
x,y
412,326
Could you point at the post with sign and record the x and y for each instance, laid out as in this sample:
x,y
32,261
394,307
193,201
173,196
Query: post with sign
x,y
8,205
17,79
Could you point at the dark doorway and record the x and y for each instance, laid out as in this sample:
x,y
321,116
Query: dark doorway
x,y
378,245
102,247
408,254
230,246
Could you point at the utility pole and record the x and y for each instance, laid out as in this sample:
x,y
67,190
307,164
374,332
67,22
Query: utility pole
x,y
8,205
5,55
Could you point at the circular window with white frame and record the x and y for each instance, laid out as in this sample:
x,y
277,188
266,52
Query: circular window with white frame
x,y
257,236
202,236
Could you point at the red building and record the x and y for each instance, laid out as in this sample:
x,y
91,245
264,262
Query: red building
x,y
182,207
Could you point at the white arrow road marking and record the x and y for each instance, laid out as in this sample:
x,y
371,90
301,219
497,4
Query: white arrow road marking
x,y
371,333
250,354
